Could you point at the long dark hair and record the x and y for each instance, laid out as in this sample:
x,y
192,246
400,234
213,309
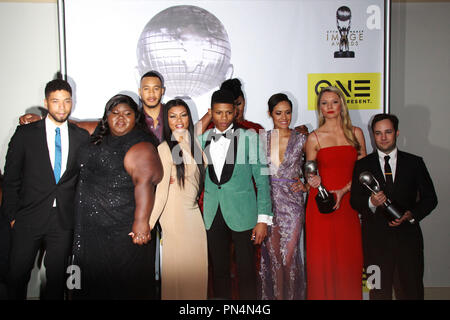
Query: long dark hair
x,y
196,152
103,127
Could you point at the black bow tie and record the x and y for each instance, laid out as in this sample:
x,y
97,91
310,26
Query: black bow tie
x,y
217,136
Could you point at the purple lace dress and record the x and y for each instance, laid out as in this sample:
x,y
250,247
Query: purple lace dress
x,y
281,271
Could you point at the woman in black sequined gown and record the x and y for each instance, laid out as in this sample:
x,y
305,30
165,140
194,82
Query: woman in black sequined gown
x,y
119,172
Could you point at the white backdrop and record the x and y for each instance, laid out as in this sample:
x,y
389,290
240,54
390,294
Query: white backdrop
x,y
275,47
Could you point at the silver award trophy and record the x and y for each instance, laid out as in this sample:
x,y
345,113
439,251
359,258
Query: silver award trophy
x,y
343,18
366,178
324,199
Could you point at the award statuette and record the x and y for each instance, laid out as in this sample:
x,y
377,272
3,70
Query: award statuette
x,y
343,18
367,179
325,200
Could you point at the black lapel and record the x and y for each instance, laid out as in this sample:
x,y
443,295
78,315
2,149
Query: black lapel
x,y
376,169
378,175
398,168
230,159
46,155
212,173
72,147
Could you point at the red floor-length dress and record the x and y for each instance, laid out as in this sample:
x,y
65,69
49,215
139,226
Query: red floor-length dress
x,y
334,259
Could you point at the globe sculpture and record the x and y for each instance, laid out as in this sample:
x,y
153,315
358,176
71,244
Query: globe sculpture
x,y
189,47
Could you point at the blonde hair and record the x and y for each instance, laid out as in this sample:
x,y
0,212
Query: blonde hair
x,y
346,122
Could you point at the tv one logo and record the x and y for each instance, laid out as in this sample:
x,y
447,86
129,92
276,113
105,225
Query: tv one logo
x,y
362,90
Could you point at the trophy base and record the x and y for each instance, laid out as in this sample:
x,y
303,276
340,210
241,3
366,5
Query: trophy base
x,y
344,54
325,205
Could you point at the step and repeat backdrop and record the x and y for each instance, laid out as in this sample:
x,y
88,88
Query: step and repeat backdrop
x,y
294,47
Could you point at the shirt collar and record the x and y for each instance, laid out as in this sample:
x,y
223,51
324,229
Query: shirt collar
x,y
392,154
158,130
226,130
159,116
51,125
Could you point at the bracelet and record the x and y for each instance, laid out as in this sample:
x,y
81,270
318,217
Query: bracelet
x,y
141,235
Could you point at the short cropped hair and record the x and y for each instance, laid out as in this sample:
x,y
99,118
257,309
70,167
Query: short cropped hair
x,y
56,85
155,74
385,116
222,96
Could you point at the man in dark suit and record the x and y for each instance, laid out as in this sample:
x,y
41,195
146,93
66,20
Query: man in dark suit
x,y
4,247
394,245
41,173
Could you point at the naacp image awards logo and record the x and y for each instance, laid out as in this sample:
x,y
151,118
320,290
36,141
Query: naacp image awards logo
x,y
345,38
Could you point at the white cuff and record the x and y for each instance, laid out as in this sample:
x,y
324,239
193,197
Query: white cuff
x,y
264,218
371,206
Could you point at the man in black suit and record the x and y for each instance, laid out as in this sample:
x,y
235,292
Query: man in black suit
x,y
41,173
394,245
4,247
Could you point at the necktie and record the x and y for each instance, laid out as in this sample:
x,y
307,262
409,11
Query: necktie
x,y
57,165
388,175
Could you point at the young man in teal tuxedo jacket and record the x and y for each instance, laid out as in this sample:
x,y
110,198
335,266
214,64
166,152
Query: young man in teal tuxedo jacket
x,y
232,210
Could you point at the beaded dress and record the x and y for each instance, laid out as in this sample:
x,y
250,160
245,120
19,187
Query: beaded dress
x,y
111,266
281,271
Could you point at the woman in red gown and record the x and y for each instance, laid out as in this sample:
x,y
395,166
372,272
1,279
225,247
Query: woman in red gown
x,y
334,259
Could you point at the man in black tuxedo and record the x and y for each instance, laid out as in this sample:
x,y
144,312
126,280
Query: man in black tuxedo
x,y
41,173
4,247
394,245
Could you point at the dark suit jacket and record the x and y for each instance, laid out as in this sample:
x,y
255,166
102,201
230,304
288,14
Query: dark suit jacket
x,y
413,190
29,186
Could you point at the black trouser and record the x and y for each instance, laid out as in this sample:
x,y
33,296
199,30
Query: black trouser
x,y
25,243
402,267
4,255
219,241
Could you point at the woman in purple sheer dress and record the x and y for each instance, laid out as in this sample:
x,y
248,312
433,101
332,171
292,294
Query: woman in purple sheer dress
x,y
281,272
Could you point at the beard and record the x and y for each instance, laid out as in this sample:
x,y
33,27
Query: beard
x,y
59,119
151,106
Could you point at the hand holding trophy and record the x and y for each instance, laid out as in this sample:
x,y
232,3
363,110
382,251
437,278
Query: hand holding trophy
x,y
324,199
367,179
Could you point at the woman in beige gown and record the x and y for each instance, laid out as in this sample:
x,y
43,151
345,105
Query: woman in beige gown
x,y
184,245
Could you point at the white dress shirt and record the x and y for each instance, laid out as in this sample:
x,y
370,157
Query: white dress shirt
x,y
392,163
50,129
218,151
